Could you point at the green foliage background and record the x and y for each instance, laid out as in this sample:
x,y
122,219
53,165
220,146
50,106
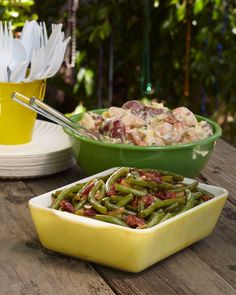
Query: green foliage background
x,y
212,54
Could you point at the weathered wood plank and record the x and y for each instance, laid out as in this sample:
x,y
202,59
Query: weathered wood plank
x,y
191,275
27,268
184,273
221,168
145,283
219,249
44,184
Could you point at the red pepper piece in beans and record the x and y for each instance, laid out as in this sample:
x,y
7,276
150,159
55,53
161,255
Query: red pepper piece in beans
x,y
87,189
112,190
166,195
89,212
148,199
65,205
134,221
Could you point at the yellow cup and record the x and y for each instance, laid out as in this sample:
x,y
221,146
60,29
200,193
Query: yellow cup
x,y
16,121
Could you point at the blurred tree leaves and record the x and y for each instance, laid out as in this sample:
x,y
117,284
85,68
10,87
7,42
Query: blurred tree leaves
x,y
212,55
17,11
198,6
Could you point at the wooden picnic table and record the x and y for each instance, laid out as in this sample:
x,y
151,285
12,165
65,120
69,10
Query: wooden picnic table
x,y
26,268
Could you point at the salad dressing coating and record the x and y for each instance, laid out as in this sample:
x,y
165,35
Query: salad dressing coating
x,y
140,124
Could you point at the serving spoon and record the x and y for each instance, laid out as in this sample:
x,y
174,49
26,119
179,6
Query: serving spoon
x,y
47,111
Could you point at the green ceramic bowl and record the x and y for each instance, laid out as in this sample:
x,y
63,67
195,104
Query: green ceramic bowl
x,y
187,159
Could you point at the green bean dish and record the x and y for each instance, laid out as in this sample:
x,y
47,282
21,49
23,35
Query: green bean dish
x,y
131,197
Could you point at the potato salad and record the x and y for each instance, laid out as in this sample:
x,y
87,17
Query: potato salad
x,y
152,124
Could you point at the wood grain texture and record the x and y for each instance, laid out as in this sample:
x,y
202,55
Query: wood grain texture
x,y
44,184
182,273
219,249
207,267
221,168
25,266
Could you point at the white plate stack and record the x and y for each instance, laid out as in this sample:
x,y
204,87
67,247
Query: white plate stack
x,y
49,152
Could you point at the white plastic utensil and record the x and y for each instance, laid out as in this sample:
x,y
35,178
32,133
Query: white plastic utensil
x,y
5,49
19,72
43,35
37,65
5,58
44,55
29,37
19,54
5,32
56,60
54,39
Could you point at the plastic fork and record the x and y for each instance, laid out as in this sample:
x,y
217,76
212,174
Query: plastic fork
x,y
43,34
5,32
53,40
30,37
5,49
19,72
56,60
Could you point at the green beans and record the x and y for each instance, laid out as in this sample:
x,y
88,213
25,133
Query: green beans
x,y
174,175
111,219
115,176
190,187
73,189
132,208
206,193
125,200
111,206
167,178
131,197
140,182
150,184
197,195
129,190
166,217
190,201
156,218
116,198
172,207
160,204
91,197
164,173
81,203
141,205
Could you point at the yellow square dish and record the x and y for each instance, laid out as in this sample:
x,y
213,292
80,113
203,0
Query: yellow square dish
x,y
124,248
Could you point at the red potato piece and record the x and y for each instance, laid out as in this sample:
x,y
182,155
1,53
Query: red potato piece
x,y
134,106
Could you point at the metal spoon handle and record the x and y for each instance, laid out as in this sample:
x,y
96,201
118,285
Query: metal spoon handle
x,y
47,111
